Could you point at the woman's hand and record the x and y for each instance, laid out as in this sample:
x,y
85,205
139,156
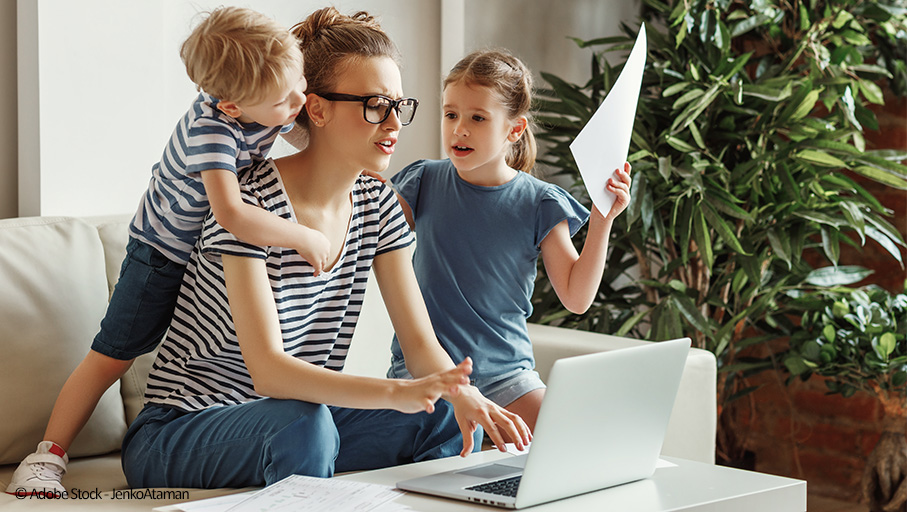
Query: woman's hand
x,y
472,409
619,185
417,395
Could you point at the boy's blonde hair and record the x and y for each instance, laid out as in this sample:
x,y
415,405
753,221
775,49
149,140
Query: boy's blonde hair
x,y
240,55
510,79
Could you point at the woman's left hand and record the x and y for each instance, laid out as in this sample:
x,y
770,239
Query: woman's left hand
x,y
472,409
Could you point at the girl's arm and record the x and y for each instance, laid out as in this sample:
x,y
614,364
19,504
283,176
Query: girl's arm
x,y
576,277
256,226
277,374
424,355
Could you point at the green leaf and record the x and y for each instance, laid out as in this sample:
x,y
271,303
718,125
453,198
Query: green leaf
x,y
767,93
723,229
820,217
885,241
829,333
841,275
819,158
631,322
781,246
882,177
688,309
702,238
884,345
872,92
830,245
806,106
679,145
795,364
674,89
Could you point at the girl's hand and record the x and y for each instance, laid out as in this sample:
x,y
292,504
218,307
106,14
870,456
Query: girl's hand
x,y
375,175
472,409
619,185
417,395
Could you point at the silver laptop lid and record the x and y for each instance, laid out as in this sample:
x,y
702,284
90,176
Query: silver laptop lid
x,y
603,420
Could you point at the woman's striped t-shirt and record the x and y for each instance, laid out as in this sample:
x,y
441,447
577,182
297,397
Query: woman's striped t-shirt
x,y
199,364
170,214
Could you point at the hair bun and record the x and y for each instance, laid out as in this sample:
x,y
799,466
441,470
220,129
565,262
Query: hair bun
x,y
309,30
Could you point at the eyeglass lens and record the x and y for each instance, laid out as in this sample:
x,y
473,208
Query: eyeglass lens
x,y
377,109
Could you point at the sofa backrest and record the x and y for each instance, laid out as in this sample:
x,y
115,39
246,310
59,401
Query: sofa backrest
x,y
53,294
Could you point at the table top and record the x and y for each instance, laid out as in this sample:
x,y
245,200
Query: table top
x,y
677,484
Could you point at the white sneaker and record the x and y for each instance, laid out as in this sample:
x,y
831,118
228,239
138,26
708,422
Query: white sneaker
x,y
41,473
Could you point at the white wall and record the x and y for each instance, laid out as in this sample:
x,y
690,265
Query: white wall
x,y
101,84
9,177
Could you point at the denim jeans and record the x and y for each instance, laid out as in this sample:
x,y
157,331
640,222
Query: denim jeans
x,y
142,303
261,442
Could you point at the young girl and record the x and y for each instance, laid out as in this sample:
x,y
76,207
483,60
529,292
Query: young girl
x,y
247,387
482,220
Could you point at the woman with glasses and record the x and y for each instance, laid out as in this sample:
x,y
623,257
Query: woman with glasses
x,y
247,388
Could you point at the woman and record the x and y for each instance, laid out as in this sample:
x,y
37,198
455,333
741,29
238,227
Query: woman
x,y
246,389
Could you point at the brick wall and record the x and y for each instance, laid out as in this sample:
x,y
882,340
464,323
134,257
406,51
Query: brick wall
x,y
797,430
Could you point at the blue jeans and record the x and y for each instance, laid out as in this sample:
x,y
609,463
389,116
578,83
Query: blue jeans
x,y
142,303
261,442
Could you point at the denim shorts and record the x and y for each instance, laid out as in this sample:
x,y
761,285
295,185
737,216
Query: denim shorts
x,y
142,303
502,389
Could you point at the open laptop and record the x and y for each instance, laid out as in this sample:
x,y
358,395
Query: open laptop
x,y
602,423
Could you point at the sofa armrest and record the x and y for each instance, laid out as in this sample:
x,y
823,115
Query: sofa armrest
x,y
691,429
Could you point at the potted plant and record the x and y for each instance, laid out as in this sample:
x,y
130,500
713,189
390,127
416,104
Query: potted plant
x,y
857,339
749,132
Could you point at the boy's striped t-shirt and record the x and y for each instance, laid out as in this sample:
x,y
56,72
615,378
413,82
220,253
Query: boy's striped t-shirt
x,y
171,212
200,365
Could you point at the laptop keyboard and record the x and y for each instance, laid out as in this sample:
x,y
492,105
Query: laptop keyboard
x,y
503,487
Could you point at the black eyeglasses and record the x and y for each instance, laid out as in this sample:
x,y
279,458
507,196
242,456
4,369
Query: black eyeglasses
x,y
376,108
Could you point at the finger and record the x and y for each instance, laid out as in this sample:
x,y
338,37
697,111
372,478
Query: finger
x,y
466,430
429,406
494,433
508,426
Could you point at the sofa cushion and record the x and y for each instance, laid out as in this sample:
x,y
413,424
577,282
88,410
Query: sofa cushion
x,y
54,296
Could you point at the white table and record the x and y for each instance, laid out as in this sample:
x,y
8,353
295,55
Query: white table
x,y
683,485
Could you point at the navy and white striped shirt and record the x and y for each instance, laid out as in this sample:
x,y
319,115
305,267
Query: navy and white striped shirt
x,y
199,364
170,214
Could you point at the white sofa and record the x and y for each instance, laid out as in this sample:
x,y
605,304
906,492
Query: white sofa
x,y
56,274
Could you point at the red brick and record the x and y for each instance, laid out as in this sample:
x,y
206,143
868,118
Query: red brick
x,y
859,407
830,475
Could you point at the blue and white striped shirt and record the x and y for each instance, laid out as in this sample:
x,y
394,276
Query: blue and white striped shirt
x,y
200,365
170,214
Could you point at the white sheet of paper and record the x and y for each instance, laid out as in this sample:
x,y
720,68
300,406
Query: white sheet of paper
x,y
602,145
298,492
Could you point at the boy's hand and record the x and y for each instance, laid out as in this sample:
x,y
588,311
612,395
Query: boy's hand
x,y
619,185
417,395
315,248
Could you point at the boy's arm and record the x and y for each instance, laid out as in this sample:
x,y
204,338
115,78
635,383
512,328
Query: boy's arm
x,y
256,226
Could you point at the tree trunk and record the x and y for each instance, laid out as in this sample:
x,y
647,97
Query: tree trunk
x,y
885,474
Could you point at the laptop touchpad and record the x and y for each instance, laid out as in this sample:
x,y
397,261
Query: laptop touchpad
x,y
490,471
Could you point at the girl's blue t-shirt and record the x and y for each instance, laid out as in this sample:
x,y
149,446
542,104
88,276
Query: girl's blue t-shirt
x,y
476,255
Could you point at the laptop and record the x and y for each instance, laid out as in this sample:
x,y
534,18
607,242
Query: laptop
x,y
602,423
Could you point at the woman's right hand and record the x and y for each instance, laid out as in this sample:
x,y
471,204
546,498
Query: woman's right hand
x,y
417,395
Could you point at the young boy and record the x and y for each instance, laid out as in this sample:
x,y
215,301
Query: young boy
x,y
249,71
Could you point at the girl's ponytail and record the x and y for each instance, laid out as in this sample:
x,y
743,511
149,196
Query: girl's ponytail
x,y
511,80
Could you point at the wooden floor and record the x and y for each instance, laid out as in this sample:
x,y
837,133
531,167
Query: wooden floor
x,y
822,504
